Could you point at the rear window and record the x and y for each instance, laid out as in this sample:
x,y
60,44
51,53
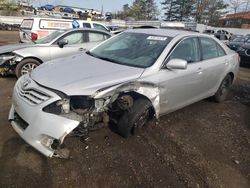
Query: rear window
x,y
27,24
53,24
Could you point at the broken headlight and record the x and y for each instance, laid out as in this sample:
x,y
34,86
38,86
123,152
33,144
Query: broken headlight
x,y
77,104
6,57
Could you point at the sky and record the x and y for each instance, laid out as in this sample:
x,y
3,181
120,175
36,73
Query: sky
x,y
108,5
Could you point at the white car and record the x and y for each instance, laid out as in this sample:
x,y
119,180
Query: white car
x,y
128,79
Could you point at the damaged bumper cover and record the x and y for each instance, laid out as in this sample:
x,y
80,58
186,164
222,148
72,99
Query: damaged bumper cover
x,y
36,127
34,118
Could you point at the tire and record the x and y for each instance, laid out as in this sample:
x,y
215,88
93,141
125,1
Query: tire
x,y
26,66
136,117
223,90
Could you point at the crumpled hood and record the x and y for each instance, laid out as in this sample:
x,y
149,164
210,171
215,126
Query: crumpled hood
x,y
82,74
13,47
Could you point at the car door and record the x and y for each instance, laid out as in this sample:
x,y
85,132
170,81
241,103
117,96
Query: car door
x,y
213,65
75,39
94,38
179,88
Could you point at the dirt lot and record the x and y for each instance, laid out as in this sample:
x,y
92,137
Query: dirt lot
x,y
203,145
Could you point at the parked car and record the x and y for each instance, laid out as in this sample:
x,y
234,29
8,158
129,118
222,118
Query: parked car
x,y
32,29
58,44
236,43
244,52
128,79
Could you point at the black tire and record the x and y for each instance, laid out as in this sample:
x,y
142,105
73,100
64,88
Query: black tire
x,y
26,66
224,89
136,117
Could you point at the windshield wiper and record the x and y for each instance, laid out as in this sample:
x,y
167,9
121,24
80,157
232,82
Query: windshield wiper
x,y
103,58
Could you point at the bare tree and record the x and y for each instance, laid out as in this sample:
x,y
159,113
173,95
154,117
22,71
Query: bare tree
x,y
236,4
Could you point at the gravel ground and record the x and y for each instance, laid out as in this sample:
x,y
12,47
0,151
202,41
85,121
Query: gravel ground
x,y
203,145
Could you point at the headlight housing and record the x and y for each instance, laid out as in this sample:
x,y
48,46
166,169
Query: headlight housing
x,y
77,104
6,57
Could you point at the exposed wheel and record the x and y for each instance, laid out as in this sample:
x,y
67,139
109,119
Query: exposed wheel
x,y
223,90
136,117
26,66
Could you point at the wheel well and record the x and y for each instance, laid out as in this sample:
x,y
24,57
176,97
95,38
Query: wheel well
x,y
232,75
136,96
33,58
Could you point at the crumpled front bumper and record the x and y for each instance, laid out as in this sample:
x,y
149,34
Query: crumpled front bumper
x,y
36,126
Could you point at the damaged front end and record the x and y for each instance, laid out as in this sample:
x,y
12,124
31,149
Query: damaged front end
x,y
44,117
8,63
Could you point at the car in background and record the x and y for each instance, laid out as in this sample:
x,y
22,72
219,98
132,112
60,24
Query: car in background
x,y
47,7
56,45
236,43
244,52
32,29
128,79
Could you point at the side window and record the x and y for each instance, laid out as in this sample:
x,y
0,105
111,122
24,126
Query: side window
x,y
86,25
98,26
96,37
188,50
209,48
74,38
221,52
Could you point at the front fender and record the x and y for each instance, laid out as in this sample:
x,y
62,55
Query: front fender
x,y
147,89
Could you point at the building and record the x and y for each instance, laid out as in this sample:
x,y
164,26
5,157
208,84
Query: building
x,y
239,20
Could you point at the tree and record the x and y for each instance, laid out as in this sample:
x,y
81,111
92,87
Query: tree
x,y
178,10
236,4
143,10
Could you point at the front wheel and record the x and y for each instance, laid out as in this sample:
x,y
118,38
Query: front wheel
x,y
223,90
26,66
136,117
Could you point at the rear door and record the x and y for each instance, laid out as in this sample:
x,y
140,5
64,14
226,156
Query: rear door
x,y
213,65
94,38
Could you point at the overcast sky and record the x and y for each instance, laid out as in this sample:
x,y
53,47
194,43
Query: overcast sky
x,y
108,5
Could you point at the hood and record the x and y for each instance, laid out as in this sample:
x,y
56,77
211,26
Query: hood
x,y
13,47
83,74
246,46
236,43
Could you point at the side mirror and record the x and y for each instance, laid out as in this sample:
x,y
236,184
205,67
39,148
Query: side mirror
x,y
62,43
177,64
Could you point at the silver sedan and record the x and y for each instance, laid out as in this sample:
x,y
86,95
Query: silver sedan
x,y
128,80
23,58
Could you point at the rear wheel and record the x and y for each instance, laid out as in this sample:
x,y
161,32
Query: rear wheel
x,y
136,117
26,66
223,90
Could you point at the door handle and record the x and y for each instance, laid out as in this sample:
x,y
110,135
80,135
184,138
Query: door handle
x,y
199,71
81,49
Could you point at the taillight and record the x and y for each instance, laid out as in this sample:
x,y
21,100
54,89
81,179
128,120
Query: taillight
x,y
34,36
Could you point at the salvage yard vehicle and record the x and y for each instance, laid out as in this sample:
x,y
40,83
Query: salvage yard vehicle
x,y
58,44
127,80
38,28
244,51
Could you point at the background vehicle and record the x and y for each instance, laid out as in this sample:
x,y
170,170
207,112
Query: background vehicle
x,y
56,45
244,52
37,28
236,43
127,79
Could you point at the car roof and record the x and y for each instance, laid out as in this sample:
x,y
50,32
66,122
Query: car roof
x,y
162,32
86,29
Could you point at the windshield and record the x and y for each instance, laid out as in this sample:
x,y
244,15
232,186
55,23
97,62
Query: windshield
x,y
132,49
50,37
238,40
